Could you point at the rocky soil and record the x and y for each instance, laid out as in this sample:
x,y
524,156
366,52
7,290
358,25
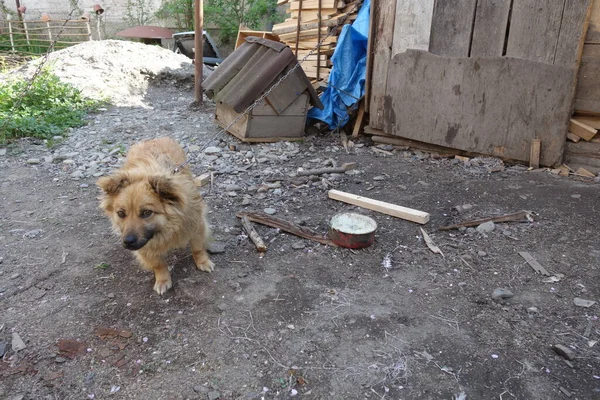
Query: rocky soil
x,y
79,319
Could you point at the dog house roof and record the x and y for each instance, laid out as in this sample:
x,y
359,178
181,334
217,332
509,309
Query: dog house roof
x,y
252,69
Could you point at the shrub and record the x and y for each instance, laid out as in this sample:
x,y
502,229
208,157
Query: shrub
x,y
46,108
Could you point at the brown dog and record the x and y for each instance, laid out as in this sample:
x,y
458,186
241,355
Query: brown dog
x,y
155,209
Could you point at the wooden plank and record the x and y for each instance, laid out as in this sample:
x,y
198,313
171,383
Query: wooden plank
x,y
593,33
587,93
593,122
573,137
584,172
412,27
368,77
384,17
535,29
537,267
534,153
489,32
575,22
452,27
582,130
584,153
394,210
359,119
314,4
465,112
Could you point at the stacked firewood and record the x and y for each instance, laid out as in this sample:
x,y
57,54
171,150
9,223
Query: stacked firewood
x,y
308,24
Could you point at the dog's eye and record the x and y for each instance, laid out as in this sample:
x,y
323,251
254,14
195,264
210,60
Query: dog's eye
x,y
121,214
147,213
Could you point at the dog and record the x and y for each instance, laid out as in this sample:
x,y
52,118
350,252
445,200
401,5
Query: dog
x,y
155,207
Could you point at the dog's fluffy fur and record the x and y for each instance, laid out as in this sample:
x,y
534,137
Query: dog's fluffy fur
x,y
155,210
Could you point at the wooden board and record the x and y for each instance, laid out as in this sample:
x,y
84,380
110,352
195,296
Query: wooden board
x,y
534,153
534,29
593,33
594,122
369,72
489,32
412,26
314,4
243,34
582,130
394,210
452,27
465,112
384,14
573,137
575,22
587,95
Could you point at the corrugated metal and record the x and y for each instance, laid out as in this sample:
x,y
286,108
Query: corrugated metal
x,y
251,70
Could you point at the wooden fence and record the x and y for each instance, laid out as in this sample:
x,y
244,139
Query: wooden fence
x,y
35,37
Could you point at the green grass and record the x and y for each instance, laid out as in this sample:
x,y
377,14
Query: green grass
x,y
46,109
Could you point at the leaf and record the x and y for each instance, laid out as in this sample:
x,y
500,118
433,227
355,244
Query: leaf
x,y
430,243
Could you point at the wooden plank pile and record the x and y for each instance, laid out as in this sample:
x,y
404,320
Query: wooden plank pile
x,y
309,22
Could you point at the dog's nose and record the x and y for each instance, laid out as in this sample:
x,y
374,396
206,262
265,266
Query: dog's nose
x,y
129,240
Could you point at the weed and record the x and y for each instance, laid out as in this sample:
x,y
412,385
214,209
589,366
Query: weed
x,y
103,266
48,108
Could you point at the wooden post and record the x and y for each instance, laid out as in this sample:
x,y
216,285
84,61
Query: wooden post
x,y
89,30
10,34
26,33
198,43
298,27
534,153
318,43
49,31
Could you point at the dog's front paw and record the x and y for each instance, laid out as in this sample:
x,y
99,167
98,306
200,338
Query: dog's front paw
x,y
161,286
202,261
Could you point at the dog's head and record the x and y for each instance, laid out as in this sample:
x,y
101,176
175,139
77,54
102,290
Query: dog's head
x,y
137,205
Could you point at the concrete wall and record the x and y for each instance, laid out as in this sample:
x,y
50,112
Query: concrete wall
x,y
113,20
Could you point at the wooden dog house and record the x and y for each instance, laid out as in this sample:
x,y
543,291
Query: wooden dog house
x,y
251,70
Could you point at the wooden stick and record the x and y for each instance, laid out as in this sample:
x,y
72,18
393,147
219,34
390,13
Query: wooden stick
x,y
285,226
534,153
254,236
359,119
537,267
333,170
582,130
521,215
381,206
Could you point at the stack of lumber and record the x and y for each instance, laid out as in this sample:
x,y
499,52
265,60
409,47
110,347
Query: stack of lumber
x,y
583,144
309,21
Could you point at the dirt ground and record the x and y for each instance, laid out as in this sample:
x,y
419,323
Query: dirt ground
x,y
304,320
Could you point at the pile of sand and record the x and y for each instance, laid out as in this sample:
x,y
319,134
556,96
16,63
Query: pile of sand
x,y
113,69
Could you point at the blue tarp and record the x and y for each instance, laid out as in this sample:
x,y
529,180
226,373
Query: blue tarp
x,y
348,72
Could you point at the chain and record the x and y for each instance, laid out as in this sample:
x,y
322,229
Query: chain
x,y
265,94
40,67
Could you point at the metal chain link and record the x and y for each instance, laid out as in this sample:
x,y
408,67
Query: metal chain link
x,y
265,94
39,68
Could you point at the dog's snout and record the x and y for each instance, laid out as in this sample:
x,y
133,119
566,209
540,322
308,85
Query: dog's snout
x,y
129,240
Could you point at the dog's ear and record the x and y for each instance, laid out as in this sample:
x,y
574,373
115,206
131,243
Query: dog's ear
x,y
112,184
165,188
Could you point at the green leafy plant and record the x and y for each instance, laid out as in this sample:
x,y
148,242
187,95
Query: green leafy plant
x,y
102,266
226,15
46,108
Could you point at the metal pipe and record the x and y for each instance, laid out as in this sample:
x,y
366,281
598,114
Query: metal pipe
x,y
198,43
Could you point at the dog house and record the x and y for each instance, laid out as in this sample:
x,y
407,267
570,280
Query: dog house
x,y
250,71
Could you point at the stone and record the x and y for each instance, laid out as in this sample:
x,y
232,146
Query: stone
x,y
232,188
501,293
532,310
246,201
68,161
200,389
379,178
2,152
564,351
17,342
216,248
232,194
212,150
32,234
583,303
298,245
194,148
470,231
214,395
481,253
3,348
15,276
60,360
486,227
33,161
270,211
110,295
